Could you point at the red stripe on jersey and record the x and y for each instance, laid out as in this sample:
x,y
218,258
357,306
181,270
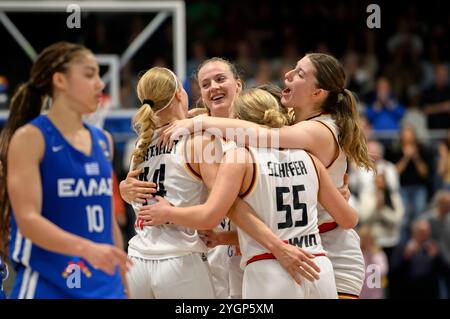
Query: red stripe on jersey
x,y
323,228
271,256
254,175
342,295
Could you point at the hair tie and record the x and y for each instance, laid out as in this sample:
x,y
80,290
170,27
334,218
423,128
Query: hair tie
x,y
149,102
340,96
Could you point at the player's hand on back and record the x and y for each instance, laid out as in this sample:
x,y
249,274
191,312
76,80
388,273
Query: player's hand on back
x,y
134,190
210,238
297,262
175,131
155,214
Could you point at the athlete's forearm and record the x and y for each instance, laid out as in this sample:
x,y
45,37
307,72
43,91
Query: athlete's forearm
x,y
333,202
242,215
48,236
196,217
228,238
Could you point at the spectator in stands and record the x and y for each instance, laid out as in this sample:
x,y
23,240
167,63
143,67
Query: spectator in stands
x,y
439,219
246,60
198,54
363,180
263,74
436,100
412,160
382,209
380,204
414,265
443,169
414,115
360,72
384,112
405,47
376,265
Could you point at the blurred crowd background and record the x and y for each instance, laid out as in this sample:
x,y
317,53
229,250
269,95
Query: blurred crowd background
x,y
400,73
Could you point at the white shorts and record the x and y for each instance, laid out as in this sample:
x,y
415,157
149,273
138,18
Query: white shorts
x,y
236,277
344,250
184,277
219,264
266,279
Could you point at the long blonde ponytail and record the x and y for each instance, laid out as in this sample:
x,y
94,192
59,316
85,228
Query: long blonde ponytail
x,y
156,89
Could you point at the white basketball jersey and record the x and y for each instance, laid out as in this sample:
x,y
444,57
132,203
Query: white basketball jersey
x,y
182,187
284,196
336,169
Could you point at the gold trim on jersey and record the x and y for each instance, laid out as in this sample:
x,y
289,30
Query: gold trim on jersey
x,y
188,167
347,296
335,140
315,168
252,185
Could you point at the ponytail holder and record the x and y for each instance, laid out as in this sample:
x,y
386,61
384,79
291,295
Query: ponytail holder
x,y
340,95
149,102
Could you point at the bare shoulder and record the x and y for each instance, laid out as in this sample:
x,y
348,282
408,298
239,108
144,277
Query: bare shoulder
x,y
238,155
29,135
317,138
314,128
204,147
27,140
317,163
205,140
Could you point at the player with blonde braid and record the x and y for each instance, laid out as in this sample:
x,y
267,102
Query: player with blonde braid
x,y
168,259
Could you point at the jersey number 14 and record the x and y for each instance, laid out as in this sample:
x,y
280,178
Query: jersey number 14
x,y
158,179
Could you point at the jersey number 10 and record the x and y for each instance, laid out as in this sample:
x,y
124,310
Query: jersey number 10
x,y
95,218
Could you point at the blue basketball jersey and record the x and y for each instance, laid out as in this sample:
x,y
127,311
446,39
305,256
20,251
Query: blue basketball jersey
x,y
77,197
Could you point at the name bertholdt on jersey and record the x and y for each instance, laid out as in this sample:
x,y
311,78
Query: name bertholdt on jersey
x,y
156,150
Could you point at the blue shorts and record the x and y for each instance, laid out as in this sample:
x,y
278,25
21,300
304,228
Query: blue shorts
x,y
29,284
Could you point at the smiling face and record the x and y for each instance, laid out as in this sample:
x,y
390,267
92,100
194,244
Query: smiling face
x,y
218,87
300,85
